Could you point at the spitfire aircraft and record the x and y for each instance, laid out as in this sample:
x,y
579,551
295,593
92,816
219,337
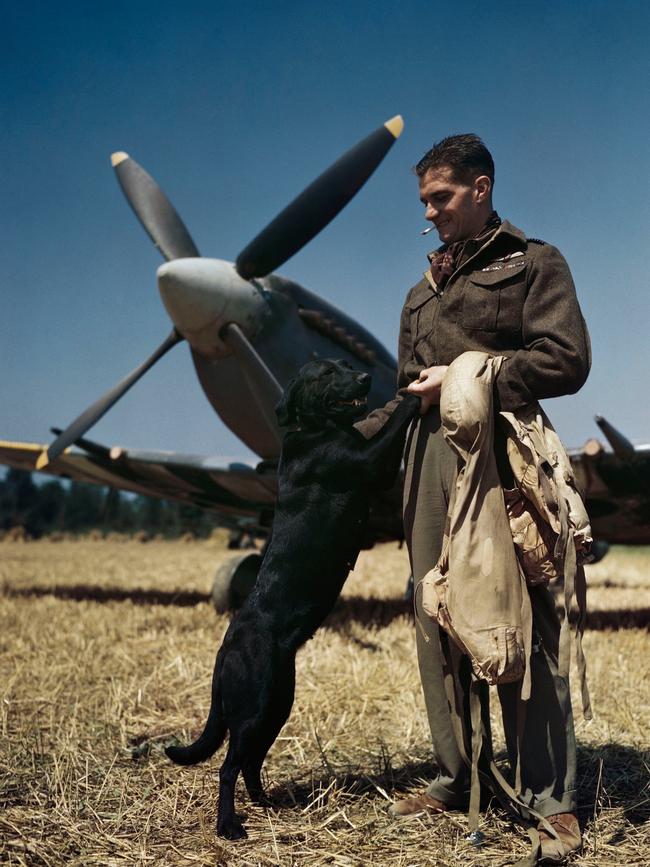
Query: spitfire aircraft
x,y
253,329
249,331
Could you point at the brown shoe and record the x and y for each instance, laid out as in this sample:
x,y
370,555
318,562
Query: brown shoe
x,y
568,830
418,804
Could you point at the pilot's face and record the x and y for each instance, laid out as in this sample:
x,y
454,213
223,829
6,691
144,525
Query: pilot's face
x,y
457,210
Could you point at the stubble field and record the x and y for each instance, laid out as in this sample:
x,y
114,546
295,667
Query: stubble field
x,y
107,651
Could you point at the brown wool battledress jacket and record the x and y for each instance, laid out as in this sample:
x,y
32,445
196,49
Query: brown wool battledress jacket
x,y
514,297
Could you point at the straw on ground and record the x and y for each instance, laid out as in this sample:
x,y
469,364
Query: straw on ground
x,y
107,651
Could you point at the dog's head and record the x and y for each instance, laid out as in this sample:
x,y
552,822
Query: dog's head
x,y
324,390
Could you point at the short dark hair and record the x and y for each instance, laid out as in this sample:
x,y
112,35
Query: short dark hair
x,y
465,155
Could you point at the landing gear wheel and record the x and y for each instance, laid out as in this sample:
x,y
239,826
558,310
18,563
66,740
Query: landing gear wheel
x,y
234,580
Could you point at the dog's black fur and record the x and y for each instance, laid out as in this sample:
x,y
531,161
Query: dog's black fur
x,y
326,475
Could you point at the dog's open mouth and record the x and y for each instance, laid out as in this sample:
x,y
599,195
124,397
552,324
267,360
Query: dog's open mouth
x,y
356,401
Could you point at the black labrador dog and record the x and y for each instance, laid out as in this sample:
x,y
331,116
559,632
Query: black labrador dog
x,y
327,473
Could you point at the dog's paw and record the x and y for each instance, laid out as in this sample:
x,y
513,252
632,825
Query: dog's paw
x,y
231,829
260,799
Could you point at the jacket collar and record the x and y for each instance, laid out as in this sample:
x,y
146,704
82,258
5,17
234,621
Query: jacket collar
x,y
505,229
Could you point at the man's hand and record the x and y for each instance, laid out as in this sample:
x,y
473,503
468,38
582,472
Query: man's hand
x,y
428,386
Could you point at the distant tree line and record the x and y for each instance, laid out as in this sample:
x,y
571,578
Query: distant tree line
x,y
76,507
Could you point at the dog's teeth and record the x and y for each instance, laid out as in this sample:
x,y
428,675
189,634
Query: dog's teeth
x,y
354,402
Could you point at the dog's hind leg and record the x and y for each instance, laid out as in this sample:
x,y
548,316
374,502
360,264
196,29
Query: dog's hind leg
x,y
252,765
274,717
251,772
229,825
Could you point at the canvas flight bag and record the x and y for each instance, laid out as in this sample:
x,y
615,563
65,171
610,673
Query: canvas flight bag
x,y
477,589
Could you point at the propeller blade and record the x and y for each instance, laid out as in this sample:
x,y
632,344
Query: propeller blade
x,y
317,205
264,386
153,209
87,445
92,415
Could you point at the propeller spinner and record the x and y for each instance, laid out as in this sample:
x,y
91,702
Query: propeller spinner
x,y
214,304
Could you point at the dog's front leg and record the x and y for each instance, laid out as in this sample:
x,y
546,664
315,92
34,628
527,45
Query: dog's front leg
x,y
383,452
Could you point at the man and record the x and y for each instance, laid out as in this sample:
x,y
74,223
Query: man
x,y
488,288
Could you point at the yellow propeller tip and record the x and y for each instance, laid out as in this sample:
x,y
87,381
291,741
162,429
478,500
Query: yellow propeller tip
x,y
118,157
395,125
42,460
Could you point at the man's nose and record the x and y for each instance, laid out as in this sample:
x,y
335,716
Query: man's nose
x,y
430,213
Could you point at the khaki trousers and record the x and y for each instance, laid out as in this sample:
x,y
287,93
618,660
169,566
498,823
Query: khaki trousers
x,y
548,754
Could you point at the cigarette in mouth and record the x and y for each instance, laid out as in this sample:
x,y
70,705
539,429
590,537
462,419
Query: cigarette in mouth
x,y
426,231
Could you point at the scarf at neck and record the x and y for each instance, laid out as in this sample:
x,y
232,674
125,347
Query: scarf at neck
x,y
448,260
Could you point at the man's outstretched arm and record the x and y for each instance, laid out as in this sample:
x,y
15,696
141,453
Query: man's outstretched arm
x,y
375,420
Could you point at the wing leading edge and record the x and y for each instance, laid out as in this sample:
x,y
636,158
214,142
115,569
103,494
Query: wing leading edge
x,y
234,491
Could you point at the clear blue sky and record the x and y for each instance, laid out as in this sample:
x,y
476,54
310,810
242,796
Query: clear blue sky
x,y
234,107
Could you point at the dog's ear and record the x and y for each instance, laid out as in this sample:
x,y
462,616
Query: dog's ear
x,y
286,409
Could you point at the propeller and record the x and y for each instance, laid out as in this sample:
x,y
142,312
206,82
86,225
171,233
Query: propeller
x,y
297,224
317,205
89,417
154,210
264,386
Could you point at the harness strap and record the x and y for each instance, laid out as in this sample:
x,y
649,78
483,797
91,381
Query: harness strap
x,y
527,636
581,599
492,778
521,726
509,797
574,586
477,739
535,845
523,813
418,586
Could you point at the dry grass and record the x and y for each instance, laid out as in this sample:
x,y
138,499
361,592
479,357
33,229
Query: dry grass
x,y
110,646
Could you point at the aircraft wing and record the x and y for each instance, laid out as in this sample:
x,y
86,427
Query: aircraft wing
x,y
616,490
236,491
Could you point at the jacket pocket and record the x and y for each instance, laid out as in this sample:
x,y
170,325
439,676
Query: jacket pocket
x,y
421,317
494,300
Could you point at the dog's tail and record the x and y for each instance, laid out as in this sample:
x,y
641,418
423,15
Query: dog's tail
x,y
205,745
212,735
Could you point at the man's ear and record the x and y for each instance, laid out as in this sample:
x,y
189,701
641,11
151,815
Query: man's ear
x,y
286,409
482,189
